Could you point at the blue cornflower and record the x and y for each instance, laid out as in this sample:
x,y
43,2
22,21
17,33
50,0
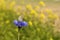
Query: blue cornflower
x,y
20,23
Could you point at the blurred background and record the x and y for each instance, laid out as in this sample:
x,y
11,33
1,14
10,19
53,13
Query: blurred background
x,y
42,16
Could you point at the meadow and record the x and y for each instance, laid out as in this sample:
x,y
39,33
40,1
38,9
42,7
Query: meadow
x,y
42,18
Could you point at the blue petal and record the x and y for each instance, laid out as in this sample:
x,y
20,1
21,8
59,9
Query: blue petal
x,y
16,22
22,23
25,23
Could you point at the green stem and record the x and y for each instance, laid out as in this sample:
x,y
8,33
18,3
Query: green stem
x,y
19,33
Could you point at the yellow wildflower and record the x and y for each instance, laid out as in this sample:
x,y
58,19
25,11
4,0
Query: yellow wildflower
x,y
33,11
16,30
30,23
37,7
7,21
2,1
2,4
42,16
36,15
55,16
29,7
49,11
51,38
18,13
42,3
19,8
12,4
50,16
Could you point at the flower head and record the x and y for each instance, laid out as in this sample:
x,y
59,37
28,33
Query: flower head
x,y
29,7
7,22
42,3
30,23
20,23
